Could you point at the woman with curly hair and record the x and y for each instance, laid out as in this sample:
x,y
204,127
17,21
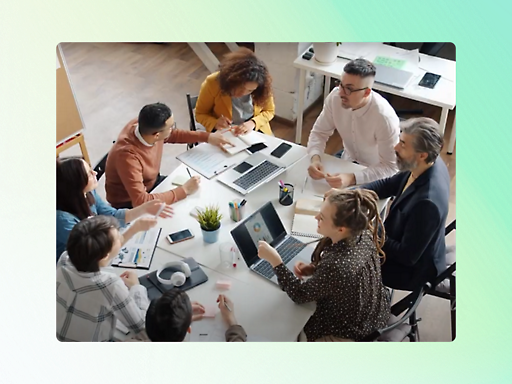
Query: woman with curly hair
x,y
239,95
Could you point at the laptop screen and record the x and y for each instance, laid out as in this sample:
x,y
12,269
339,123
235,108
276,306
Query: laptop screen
x,y
264,224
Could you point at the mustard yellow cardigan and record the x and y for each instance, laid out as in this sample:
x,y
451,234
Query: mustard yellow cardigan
x,y
212,103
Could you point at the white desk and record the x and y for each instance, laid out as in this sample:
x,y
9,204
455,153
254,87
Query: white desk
x,y
443,95
265,312
262,308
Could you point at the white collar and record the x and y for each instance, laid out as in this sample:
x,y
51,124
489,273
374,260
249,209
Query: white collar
x,y
141,139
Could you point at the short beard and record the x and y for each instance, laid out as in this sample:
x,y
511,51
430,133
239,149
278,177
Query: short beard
x,y
406,165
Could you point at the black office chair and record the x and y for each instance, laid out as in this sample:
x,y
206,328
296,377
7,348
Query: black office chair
x,y
100,167
442,286
191,103
445,287
398,328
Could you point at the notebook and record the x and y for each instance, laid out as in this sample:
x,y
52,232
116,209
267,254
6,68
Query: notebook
x,y
242,142
305,226
304,222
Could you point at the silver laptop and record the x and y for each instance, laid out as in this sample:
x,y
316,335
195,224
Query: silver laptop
x,y
393,77
265,224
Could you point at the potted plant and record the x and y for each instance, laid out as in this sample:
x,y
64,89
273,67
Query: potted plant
x,y
209,220
325,53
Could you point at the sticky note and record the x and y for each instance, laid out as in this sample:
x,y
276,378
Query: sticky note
x,y
223,284
210,310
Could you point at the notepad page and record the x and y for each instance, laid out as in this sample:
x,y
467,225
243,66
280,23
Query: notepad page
x,y
305,225
252,138
239,145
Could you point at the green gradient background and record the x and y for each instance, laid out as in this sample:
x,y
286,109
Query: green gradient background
x,y
29,32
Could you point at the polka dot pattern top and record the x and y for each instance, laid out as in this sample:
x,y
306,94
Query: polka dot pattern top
x,y
351,301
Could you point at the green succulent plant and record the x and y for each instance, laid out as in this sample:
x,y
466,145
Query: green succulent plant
x,y
209,218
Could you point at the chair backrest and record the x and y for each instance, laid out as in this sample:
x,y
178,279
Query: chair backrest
x,y
191,103
100,167
409,304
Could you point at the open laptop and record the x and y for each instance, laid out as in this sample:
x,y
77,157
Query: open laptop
x,y
393,77
261,167
265,224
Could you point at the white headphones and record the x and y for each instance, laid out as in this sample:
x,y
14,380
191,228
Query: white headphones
x,y
177,278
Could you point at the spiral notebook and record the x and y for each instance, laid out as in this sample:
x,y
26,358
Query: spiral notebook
x,y
305,226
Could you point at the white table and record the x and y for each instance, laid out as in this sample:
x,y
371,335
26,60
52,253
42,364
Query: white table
x,y
443,94
265,312
262,308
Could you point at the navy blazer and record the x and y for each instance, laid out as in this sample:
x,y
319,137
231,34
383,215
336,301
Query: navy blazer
x,y
415,225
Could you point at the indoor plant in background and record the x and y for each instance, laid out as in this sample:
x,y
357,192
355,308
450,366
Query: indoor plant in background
x,y
325,53
209,220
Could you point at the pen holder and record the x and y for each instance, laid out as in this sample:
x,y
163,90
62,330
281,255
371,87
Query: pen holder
x,y
286,194
236,212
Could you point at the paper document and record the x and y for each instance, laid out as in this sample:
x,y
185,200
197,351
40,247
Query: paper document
x,y
206,159
138,251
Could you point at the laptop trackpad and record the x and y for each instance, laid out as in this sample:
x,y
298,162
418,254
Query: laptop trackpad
x,y
242,167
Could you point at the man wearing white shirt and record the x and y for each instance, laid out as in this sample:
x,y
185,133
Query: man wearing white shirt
x,y
367,124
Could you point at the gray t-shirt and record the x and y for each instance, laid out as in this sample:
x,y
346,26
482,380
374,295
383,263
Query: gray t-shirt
x,y
242,109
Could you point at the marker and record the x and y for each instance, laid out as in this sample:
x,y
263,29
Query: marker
x,y
281,183
188,171
243,202
233,257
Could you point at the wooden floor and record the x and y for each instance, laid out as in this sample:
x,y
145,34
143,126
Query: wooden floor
x,y
113,81
116,79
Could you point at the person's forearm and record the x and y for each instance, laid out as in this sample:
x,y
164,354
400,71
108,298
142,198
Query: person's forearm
x,y
133,214
316,158
129,233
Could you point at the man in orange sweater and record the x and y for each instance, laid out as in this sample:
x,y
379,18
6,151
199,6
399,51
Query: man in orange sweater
x,y
133,163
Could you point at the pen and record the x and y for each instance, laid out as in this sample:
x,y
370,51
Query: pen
x,y
188,171
304,185
160,210
227,306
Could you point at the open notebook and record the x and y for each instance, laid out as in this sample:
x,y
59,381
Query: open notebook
x,y
242,142
304,222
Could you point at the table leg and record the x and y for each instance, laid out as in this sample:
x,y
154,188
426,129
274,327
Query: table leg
x,y
327,86
300,105
451,143
442,122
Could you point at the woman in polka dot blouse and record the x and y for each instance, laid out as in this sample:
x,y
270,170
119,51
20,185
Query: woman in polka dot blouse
x,y
344,276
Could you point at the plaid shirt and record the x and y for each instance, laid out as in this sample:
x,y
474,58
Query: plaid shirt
x,y
89,304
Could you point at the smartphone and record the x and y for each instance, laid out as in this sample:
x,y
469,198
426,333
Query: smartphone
x,y
429,80
281,150
180,236
257,147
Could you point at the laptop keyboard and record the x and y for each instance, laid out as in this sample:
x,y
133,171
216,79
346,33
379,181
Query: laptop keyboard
x,y
288,249
255,175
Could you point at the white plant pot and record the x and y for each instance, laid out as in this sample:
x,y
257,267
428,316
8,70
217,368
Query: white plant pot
x,y
325,53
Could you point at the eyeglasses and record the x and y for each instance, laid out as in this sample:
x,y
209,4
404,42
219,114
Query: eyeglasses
x,y
349,91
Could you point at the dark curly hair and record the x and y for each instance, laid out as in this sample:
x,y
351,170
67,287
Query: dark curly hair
x,y
242,66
